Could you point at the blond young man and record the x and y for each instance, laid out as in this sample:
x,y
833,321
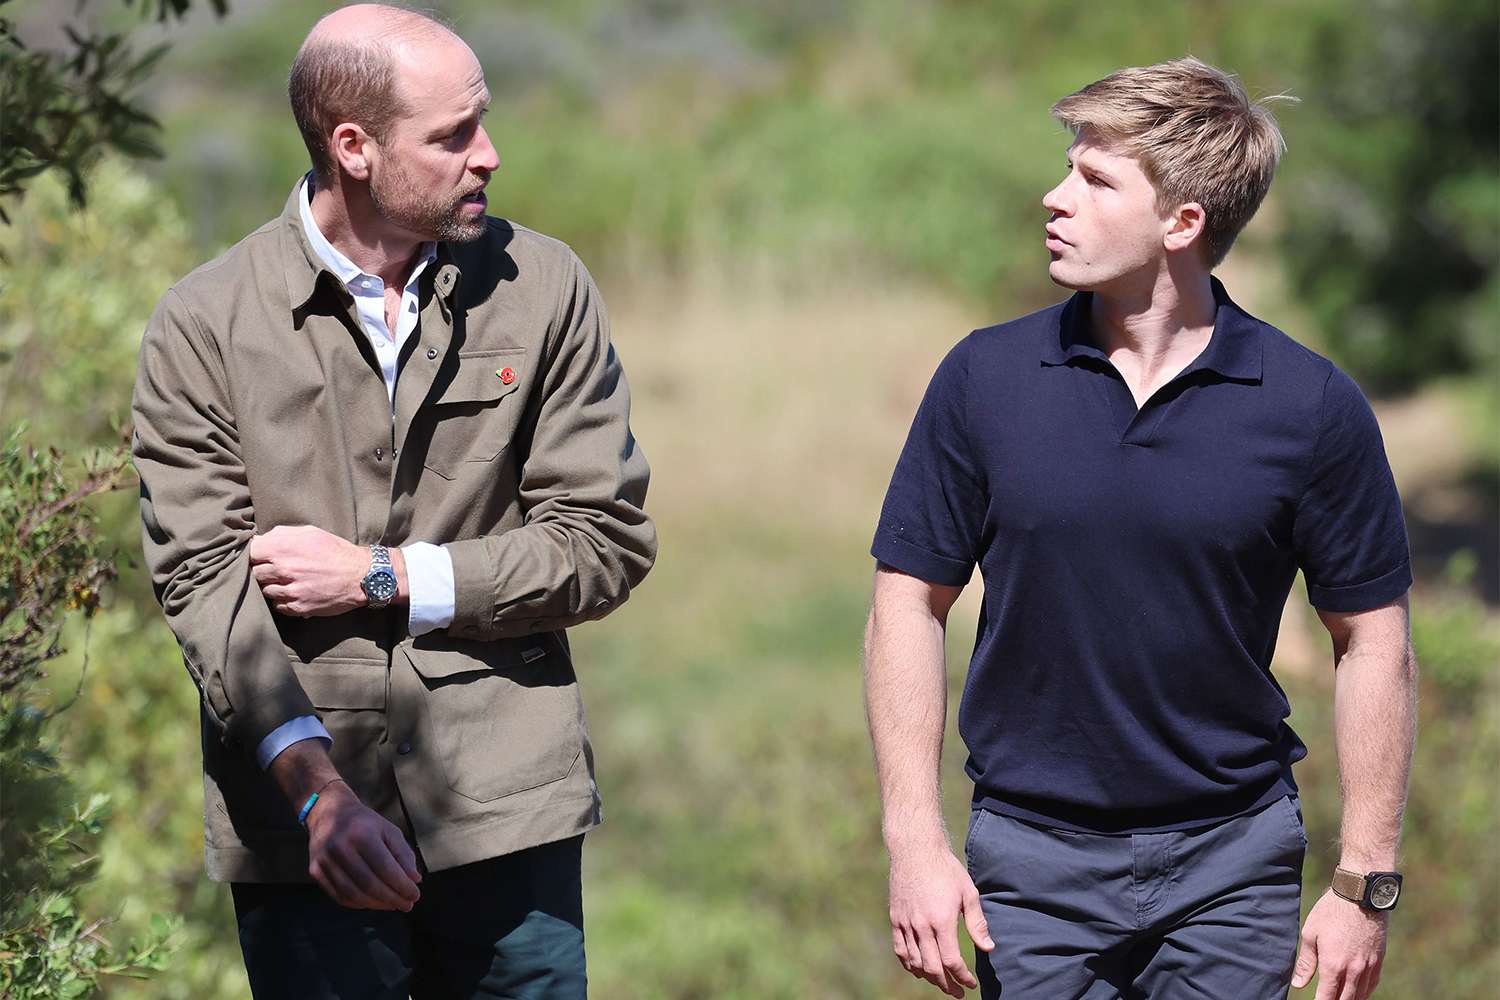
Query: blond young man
x,y
1139,473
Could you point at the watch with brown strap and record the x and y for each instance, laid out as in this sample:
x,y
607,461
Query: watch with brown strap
x,y
1377,891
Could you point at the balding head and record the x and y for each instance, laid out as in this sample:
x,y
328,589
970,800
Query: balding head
x,y
348,71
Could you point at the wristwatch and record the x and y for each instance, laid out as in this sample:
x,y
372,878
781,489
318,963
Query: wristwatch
x,y
1374,891
379,584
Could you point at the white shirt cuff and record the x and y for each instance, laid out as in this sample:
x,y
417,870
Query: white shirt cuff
x,y
303,727
429,578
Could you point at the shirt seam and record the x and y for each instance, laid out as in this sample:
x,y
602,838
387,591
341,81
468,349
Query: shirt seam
x,y
890,537
1312,470
1320,594
970,470
558,324
968,436
210,346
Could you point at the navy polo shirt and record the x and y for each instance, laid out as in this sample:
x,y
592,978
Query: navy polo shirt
x,y
1136,563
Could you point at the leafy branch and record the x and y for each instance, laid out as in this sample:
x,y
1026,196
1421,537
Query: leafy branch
x,y
62,110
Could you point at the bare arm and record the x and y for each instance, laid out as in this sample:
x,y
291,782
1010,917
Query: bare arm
x,y
906,704
1375,728
358,856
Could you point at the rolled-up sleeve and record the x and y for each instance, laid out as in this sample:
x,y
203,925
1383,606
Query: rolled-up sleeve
x,y
197,521
586,540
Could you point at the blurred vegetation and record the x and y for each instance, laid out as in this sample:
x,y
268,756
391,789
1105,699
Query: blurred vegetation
x,y
52,566
62,108
911,140
1399,269
794,209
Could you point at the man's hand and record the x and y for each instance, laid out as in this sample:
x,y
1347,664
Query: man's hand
x,y
358,856
1345,944
929,891
309,573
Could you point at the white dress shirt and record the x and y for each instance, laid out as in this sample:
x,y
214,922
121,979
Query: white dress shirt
x,y
429,569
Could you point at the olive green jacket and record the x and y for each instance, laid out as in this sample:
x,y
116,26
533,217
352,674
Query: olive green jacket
x,y
259,402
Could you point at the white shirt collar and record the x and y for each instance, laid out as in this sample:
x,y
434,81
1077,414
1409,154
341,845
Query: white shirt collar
x,y
342,267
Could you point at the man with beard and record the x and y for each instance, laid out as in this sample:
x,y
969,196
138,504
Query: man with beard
x,y
385,461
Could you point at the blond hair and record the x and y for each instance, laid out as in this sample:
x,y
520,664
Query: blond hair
x,y
1197,134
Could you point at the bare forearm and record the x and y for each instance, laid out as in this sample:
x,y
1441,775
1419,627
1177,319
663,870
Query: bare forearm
x,y
906,703
1374,722
301,769
1375,726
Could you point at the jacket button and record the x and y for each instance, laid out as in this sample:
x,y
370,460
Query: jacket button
x,y
379,454
404,749
431,353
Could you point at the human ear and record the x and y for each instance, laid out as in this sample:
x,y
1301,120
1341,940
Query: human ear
x,y
1186,226
350,145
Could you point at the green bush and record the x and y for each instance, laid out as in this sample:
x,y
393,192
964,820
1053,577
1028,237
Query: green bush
x,y
51,565
1442,938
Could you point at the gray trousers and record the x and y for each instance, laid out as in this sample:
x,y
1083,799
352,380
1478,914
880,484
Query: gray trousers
x,y
1210,913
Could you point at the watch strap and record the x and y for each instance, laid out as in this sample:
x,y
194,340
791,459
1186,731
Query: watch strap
x,y
1376,891
1349,885
380,566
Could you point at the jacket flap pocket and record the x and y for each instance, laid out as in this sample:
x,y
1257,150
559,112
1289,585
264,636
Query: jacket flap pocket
x,y
485,377
343,683
436,658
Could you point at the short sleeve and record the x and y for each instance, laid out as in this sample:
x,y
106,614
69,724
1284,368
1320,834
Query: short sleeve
x,y
933,515
1349,533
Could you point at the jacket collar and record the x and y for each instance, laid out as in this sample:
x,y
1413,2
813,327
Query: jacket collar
x,y
1234,351
308,276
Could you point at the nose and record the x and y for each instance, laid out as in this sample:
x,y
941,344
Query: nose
x,y
1056,200
482,156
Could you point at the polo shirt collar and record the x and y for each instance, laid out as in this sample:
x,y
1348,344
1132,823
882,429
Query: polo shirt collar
x,y
1234,351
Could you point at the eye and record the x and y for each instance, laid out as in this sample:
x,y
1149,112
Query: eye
x,y
466,128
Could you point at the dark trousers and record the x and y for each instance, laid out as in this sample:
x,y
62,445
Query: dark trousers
x,y
508,927
1205,914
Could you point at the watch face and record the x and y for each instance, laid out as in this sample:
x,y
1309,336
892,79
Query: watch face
x,y
380,585
1383,892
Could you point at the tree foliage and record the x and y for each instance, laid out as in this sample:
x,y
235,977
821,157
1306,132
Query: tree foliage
x,y
61,110
1392,237
51,566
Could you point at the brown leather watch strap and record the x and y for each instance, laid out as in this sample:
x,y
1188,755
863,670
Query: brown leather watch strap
x,y
1350,885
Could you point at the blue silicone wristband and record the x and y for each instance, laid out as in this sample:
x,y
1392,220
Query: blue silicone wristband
x,y
306,808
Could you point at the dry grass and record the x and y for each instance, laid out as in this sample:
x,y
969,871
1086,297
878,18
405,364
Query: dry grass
x,y
759,402
785,411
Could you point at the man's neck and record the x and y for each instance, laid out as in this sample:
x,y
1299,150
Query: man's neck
x,y
1155,329
364,237
1153,318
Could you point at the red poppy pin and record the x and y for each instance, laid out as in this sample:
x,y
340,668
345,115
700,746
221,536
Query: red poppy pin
x,y
507,375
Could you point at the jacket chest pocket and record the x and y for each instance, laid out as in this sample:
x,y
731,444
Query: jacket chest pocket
x,y
471,424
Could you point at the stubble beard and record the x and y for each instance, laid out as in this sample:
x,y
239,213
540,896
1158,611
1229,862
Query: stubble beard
x,y
439,217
